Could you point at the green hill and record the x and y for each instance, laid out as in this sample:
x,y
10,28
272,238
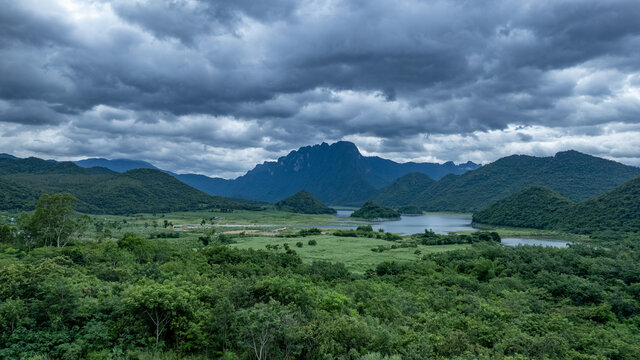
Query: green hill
x,y
371,210
572,174
534,207
304,203
100,190
403,190
617,210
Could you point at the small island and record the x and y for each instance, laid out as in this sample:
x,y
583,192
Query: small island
x,y
372,211
303,202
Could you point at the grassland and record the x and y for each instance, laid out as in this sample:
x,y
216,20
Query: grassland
x,y
355,253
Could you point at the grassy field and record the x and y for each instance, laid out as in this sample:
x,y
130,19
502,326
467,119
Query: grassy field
x,y
355,253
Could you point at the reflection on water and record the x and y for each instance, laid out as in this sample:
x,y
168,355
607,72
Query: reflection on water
x,y
407,225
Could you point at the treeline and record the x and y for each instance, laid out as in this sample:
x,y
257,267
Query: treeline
x,y
140,298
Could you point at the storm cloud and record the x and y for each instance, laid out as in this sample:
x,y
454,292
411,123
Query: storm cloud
x,y
217,86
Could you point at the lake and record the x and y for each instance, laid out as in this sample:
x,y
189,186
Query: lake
x,y
407,225
535,242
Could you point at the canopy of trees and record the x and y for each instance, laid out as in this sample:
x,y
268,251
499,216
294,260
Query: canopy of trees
x,y
142,299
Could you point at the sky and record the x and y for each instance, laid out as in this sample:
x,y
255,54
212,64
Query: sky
x,y
215,87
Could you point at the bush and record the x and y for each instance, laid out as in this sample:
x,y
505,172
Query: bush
x,y
299,244
312,242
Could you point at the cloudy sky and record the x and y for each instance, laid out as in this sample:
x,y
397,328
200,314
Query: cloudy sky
x,y
215,87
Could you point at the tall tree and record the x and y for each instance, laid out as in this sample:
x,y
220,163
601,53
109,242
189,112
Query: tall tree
x,y
54,222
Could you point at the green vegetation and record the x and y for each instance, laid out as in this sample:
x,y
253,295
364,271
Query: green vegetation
x,y
572,174
354,252
371,210
101,191
403,190
617,210
164,299
304,203
410,210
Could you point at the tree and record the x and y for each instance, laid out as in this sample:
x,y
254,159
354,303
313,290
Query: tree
x,y
54,222
158,303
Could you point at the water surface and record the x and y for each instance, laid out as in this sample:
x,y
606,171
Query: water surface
x,y
414,224
535,242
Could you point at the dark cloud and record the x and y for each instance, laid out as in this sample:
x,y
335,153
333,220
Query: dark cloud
x,y
174,76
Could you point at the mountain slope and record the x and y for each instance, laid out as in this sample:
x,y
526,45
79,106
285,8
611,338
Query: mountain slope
x,y
100,190
117,165
304,203
574,175
534,207
403,190
618,209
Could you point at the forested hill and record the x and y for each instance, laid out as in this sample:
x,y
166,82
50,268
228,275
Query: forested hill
x,y
534,207
118,165
101,190
303,202
403,190
572,174
618,210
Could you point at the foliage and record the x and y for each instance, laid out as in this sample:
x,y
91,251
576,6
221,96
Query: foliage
x,y
99,300
304,203
54,222
371,210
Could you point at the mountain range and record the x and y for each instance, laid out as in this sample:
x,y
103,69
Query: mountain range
x,y
335,174
572,174
101,190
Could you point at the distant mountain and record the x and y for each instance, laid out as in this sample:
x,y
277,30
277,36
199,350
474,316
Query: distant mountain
x,y
335,174
117,165
403,190
7,156
303,202
100,190
574,175
534,207
542,208
371,210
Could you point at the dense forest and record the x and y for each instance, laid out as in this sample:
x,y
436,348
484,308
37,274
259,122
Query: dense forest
x,y
144,299
304,203
101,190
403,190
542,208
